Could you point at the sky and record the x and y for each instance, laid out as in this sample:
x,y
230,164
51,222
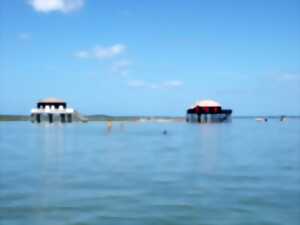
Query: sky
x,y
138,57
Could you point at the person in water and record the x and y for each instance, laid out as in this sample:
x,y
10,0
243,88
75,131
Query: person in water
x,y
109,126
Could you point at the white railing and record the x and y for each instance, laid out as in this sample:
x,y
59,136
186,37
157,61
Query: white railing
x,y
48,110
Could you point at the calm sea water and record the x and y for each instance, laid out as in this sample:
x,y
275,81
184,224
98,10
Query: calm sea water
x,y
242,172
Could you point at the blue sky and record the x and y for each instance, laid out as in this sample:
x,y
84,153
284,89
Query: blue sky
x,y
151,57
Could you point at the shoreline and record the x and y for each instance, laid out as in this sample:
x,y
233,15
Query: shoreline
x,y
105,118
102,118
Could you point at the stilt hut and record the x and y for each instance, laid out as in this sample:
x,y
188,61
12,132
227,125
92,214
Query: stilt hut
x,y
52,110
208,111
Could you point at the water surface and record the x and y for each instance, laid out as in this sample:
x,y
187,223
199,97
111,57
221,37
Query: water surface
x,y
242,172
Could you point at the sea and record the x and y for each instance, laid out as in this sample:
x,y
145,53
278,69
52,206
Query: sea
x,y
133,173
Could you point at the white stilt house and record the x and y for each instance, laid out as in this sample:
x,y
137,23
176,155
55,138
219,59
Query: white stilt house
x,y
52,110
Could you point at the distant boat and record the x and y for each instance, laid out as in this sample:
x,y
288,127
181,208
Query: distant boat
x,y
261,119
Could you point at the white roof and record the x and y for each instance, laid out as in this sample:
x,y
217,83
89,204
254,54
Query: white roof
x,y
207,103
51,100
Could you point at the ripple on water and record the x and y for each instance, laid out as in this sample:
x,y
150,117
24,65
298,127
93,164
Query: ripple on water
x,y
80,174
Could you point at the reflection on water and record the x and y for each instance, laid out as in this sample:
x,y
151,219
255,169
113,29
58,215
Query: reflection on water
x,y
237,173
210,136
52,147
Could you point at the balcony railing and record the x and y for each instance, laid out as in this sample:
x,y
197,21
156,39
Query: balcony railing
x,y
49,110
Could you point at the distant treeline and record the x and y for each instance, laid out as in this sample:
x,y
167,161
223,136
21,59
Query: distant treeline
x,y
96,118
110,118
130,118
14,118
270,117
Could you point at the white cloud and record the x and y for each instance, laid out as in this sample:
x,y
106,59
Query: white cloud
x,y
173,83
162,85
82,54
121,67
64,6
290,77
136,83
100,52
24,36
109,52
